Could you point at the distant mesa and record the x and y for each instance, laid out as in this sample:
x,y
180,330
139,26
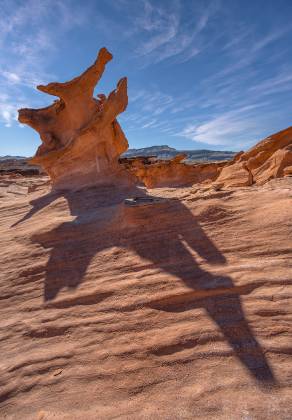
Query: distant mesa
x,y
166,152
9,157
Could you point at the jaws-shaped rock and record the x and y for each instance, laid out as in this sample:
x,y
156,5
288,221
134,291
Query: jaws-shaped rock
x,y
81,138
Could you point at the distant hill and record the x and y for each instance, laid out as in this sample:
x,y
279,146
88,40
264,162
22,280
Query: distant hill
x,y
151,151
18,164
166,152
8,157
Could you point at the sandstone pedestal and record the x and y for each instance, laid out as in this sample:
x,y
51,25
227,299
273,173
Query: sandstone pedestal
x,y
81,138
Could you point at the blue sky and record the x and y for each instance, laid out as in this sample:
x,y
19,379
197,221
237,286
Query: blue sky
x,y
214,74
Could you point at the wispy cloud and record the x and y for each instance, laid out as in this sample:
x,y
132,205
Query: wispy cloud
x,y
269,38
280,83
168,34
148,110
248,48
8,108
228,128
167,31
28,38
227,108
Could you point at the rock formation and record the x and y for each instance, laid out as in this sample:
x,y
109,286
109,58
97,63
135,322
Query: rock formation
x,y
268,159
81,138
155,173
82,142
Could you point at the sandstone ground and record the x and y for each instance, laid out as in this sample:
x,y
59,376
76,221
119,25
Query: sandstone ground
x,y
177,309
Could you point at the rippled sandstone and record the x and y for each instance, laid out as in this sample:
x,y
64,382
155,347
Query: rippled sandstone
x,y
176,309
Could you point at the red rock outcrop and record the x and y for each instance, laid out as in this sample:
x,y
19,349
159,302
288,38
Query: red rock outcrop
x,y
81,138
155,173
266,160
270,158
288,171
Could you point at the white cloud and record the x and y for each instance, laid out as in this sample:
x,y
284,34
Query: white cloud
x,y
248,48
270,38
148,109
11,77
227,129
281,82
149,124
8,113
167,34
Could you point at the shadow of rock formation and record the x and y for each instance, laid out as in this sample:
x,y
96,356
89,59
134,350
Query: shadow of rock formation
x,y
165,234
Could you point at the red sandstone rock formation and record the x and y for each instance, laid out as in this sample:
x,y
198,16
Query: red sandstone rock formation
x,y
270,158
266,160
82,142
172,173
81,138
288,171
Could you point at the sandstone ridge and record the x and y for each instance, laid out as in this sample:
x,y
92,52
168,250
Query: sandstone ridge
x,y
268,159
157,173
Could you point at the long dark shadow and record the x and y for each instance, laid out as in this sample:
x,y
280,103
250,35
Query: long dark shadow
x,y
73,244
170,250
163,235
37,205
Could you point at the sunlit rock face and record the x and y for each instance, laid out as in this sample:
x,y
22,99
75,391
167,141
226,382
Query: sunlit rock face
x,y
157,173
268,159
81,138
